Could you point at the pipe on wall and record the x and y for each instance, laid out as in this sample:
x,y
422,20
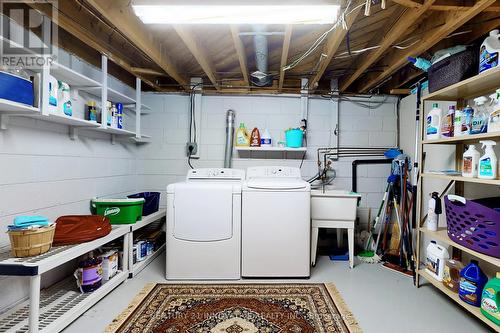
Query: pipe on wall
x,y
228,152
355,164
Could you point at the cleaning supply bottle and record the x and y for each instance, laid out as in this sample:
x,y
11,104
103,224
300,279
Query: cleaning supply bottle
x,y
472,281
109,116
435,259
434,122
490,300
447,124
265,139
451,274
64,99
91,111
494,116
479,123
242,137
469,162
463,119
114,117
488,53
488,163
53,86
255,138
434,211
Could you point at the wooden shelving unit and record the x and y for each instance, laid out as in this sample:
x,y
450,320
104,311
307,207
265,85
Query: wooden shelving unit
x,y
478,85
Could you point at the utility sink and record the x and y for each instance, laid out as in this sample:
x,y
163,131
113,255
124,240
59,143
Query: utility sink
x,y
334,205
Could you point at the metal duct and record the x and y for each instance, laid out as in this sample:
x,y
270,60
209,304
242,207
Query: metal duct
x,y
260,77
228,152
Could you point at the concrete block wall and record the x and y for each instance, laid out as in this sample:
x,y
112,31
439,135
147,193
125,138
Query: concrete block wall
x,y
164,160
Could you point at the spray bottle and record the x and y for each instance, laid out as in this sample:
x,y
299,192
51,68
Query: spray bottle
x,y
479,122
435,209
494,116
488,163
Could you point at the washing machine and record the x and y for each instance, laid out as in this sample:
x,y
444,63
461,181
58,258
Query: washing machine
x,y
276,223
204,226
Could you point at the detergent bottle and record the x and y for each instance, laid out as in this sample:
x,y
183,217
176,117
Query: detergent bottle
x,y
255,138
488,163
479,123
435,259
447,122
266,139
472,281
494,117
434,122
242,137
490,299
469,162
451,274
488,53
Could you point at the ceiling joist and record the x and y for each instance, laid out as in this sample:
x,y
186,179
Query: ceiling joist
x,y
408,19
192,44
396,59
332,44
284,55
240,51
120,14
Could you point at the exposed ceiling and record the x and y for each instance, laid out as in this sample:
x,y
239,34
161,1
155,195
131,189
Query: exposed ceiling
x,y
370,56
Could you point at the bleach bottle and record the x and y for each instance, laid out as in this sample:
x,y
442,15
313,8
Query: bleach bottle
x,y
435,260
491,300
434,122
488,54
472,281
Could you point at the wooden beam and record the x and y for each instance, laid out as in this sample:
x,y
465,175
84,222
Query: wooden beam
x,y
192,44
447,5
284,54
400,91
408,19
120,14
148,71
240,51
332,44
453,20
66,22
408,3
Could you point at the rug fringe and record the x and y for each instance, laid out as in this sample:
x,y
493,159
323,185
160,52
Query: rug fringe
x,y
345,312
120,319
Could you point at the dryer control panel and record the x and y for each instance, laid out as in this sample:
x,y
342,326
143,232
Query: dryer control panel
x,y
273,172
216,173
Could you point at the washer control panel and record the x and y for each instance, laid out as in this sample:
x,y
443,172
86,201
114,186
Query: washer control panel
x,y
273,172
216,173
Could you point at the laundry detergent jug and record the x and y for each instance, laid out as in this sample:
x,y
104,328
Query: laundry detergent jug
x,y
490,300
472,281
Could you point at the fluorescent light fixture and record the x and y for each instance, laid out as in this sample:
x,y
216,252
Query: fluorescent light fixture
x,y
236,14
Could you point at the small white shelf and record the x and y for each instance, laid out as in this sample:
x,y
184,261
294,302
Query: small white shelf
x,y
149,219
57,256
71,77
14,108
131,107
140,265
70,121
278,149
142,139
60,304
115,131
113,95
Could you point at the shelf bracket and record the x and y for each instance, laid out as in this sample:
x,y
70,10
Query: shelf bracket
x,y
4,121
73,132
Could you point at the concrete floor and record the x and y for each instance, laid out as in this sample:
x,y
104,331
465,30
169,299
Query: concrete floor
x,y
382,301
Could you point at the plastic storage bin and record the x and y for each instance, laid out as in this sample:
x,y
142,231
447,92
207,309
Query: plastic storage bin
x,y
151,203
474,224
119,211
294,138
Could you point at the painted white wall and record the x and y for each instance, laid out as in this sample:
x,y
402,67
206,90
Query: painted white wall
x,y
164,161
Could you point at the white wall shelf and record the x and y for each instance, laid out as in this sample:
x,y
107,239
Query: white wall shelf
x,y
71,77
147,220
115,131
113,95
14,108
278,149
70,121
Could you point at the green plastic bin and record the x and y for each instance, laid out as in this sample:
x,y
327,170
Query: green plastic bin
x,y
119,211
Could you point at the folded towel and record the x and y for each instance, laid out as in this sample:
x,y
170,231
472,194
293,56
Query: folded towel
x,y
25,221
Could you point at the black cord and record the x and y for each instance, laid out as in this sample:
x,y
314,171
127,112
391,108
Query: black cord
x,y
302,161
189,161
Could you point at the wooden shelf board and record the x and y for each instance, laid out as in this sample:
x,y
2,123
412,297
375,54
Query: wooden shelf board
x,y
465,139
463,179
478,85
14,108
278,149
71,77
442,236
472,309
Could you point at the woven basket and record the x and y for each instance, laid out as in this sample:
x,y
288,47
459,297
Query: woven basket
x,y
28,243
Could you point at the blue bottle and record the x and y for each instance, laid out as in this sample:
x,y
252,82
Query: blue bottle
x,y
472,281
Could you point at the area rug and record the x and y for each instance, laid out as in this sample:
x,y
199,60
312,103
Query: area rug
x,y
236,308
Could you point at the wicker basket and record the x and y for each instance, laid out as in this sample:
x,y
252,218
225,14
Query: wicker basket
x,y
28,243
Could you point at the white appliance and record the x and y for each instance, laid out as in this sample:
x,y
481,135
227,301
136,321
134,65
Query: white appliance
x,y
204,225
276,224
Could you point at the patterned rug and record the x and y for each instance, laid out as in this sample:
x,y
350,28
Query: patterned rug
x,y
236,308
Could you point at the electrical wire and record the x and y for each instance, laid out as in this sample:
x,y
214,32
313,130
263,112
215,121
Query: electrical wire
x,y
189,161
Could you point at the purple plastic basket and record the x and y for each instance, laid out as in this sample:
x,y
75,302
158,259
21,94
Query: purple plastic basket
x,y
474,224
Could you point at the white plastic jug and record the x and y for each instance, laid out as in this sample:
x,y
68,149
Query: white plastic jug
x,y
435,260
490,49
